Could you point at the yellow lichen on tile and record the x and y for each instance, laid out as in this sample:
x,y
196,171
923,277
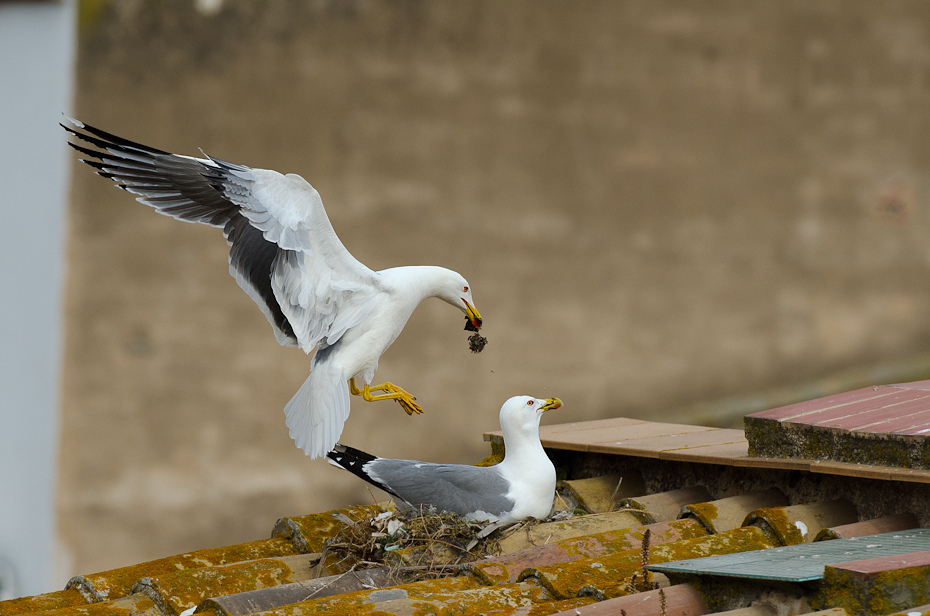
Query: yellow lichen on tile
x,y
42,603
309,533
116,583
132,605
497,454
884,592
365,601
185,589
594,545
610,574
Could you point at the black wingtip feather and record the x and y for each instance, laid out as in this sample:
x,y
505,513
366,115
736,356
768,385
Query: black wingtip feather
x,y
102,138
96,164
357,454
354,461
190,190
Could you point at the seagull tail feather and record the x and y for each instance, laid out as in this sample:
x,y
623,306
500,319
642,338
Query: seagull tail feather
x,y
319,409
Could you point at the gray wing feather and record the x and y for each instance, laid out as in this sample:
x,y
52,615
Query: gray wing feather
x,y
448,487
193,190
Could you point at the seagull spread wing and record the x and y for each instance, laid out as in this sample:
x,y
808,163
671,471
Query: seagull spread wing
x,y
284,252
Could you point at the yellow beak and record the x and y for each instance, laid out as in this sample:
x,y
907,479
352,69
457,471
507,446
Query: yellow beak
x,y
551,403
473,317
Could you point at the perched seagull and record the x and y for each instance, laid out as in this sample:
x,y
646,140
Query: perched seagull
x,y
521,486
286,256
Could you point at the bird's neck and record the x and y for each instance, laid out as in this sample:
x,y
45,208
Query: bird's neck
x,y
523,449
417,282
526,465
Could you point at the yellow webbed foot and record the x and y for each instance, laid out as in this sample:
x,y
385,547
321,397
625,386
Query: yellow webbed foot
x,y
410,407
391,392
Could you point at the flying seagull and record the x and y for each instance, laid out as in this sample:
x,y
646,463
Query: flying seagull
x,y
521,486
286,256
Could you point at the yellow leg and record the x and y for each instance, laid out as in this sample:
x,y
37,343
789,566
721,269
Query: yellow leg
x,y
392,392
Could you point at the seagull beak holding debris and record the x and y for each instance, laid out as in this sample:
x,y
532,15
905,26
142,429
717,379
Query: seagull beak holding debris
x,y
476,342
551,404
473,318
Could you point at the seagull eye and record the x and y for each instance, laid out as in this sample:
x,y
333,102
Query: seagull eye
x,y
465,289
529,403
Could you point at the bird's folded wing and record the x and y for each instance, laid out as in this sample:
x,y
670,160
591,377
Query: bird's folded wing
x,y
451,487
284,252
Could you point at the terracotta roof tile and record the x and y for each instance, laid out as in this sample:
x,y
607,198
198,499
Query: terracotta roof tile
x,y
507,568
682,600
119,582
599,494
917,610
608,576
873,566
176,592
277,596
665,506
427,590
884,584
729,513
817,407
723,453
802,523
899,522
541,534
135,605
309,533
42,603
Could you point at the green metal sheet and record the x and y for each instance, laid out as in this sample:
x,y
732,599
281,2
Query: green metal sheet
x,y
801,563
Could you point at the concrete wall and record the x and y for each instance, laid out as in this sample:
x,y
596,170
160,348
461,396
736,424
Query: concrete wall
x,y
656,203
36,66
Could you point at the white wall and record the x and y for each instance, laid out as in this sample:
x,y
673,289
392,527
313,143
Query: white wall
x,y
37,48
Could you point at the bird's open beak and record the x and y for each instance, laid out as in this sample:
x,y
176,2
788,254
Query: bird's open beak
x,y
472,317
551,403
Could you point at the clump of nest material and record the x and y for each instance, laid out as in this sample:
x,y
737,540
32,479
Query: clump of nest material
x,y
415,544
476,342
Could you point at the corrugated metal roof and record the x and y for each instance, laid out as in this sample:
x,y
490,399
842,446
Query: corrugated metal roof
x,y
804,562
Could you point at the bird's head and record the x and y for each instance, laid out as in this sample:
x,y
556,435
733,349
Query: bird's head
x,y
522,413
457,292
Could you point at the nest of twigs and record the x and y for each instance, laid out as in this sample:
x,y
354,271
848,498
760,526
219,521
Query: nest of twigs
x,y
415,544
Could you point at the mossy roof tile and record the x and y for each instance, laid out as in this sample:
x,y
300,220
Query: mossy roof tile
x,y
681,599
117,583
43,603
